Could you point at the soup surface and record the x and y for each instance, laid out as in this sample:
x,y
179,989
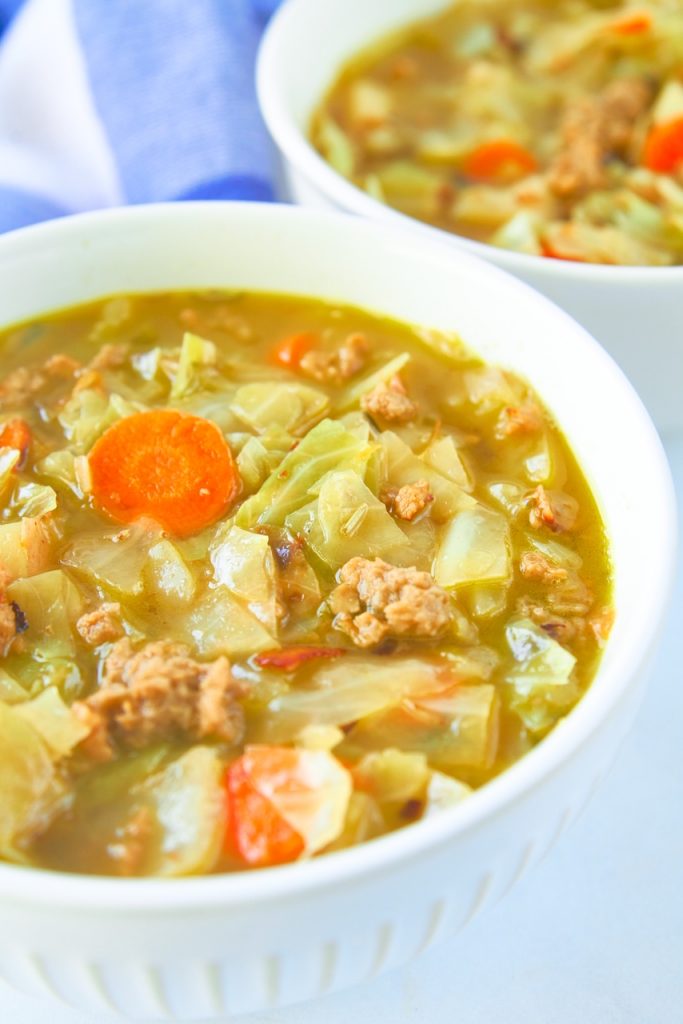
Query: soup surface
x,y
277,578
548,127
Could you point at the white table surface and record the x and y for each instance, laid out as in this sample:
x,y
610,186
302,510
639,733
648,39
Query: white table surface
x,y
594,935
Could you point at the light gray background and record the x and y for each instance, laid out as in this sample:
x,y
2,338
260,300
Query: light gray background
x,y
592,936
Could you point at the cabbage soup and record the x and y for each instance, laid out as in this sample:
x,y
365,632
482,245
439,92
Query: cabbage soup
x,y
548,127
277,578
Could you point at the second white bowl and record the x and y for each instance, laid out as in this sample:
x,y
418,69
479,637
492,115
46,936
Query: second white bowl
x,y
636,313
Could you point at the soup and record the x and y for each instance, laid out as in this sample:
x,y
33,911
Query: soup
x,y
547,128
278,577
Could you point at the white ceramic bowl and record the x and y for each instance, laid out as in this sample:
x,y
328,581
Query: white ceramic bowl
x,y
636,313
217,946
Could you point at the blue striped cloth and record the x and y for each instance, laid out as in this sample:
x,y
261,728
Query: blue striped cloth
x,y
171,87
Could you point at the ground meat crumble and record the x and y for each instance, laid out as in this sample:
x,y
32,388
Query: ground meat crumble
x,y
593,129
335,367
101,626
390,401
552,509
375,600
535,566
157,692
409,501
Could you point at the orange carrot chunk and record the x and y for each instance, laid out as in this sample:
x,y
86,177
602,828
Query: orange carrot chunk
x,y
634,23
289,658
17,434
664,147
258,834
290,351
501,159
162,464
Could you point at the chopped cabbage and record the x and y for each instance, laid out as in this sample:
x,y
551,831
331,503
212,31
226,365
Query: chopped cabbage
x,y
9,457
475,548
31,788
195,355
51,604
325,448
189,799
115,559
34,500
541,682
404,467
25,547
455,729
55,723
214,405
259,457
11,691
393,776
349,520
364,820
444,792
443,456
343,692
89,413
338,148
669,103
244,563
168,575
219,624
280,407
487,600
60,468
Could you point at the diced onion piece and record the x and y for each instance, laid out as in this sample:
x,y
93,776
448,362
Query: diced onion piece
x,y
475,548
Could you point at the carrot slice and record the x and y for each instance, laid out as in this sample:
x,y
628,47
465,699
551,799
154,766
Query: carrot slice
x,y
258,834
290,351
289,658
500,159
632,24
664,147
17,434
553,254
171,467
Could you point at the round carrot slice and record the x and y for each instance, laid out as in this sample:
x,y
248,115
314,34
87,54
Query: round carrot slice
x,y
174,468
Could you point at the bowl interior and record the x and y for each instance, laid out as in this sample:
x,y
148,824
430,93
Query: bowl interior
x,y
280,249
